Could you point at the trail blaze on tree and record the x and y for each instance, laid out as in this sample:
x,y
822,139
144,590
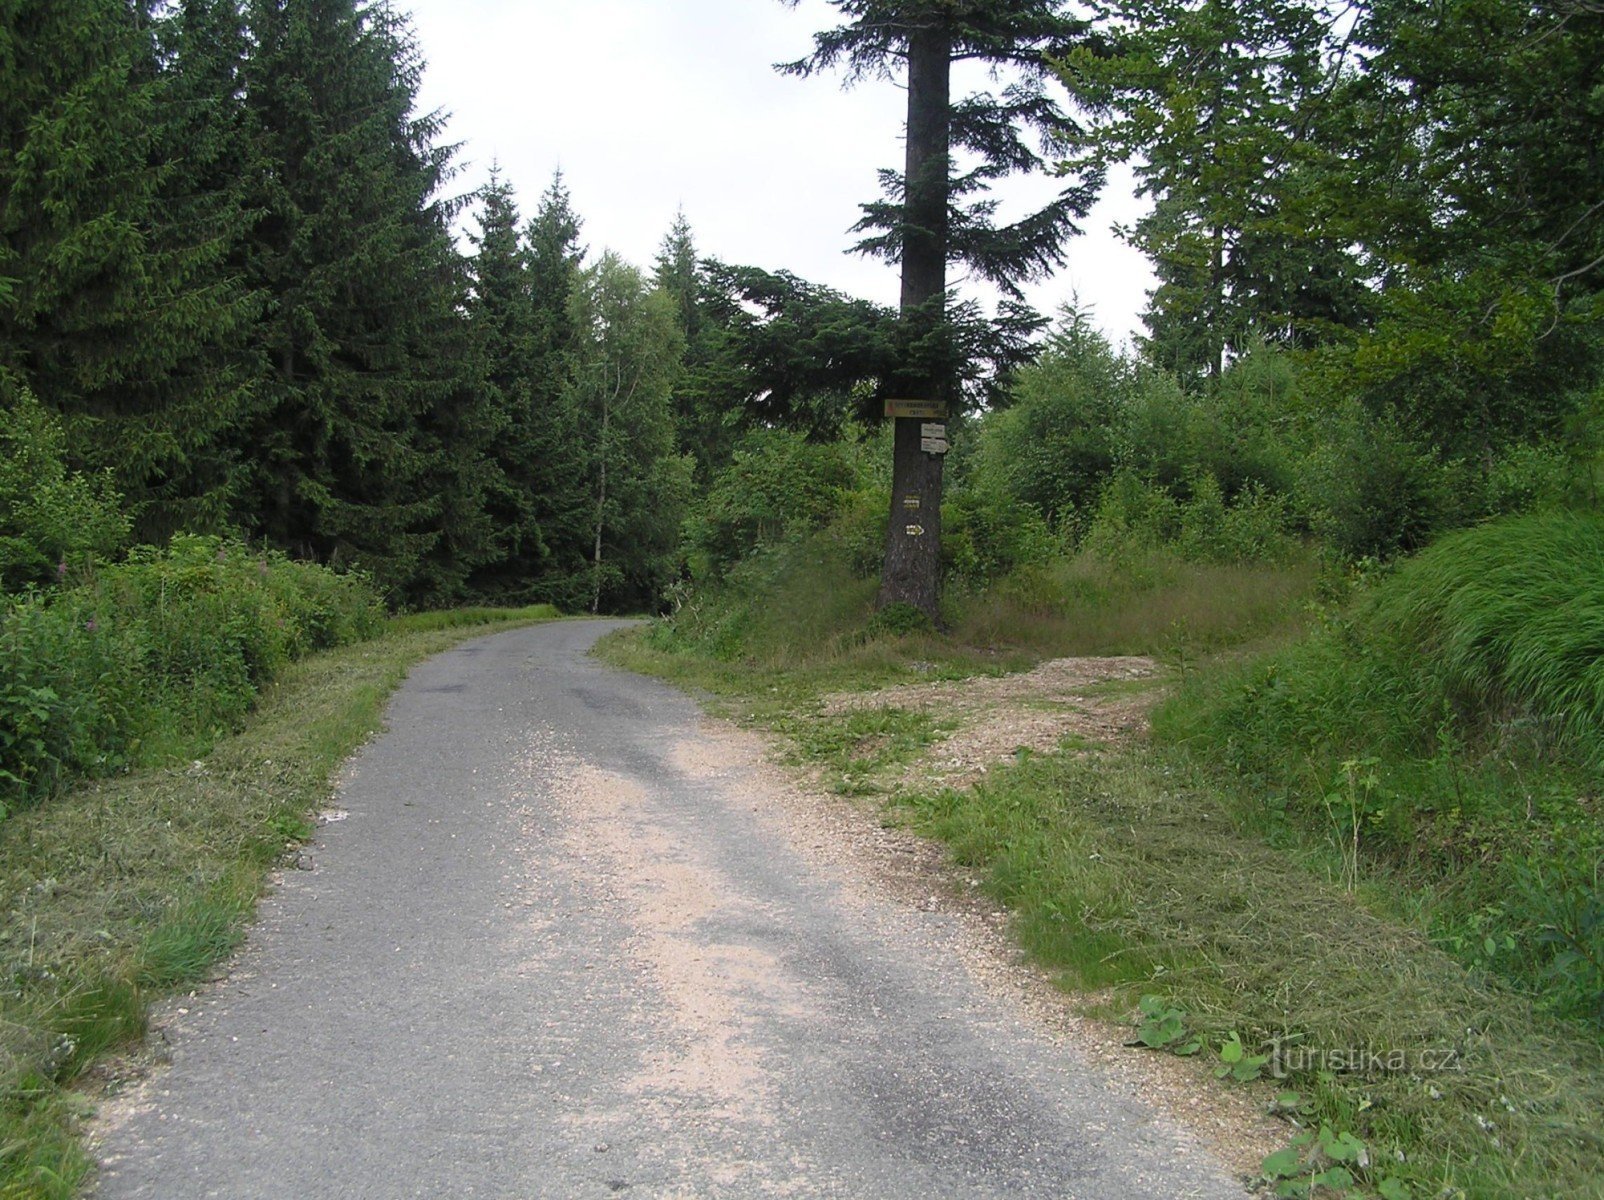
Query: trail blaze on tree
x,y
929,219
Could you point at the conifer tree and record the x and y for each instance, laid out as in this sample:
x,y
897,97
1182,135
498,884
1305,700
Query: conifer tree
x,y
119,309
503,316
936,210
370,447
707,398
563,503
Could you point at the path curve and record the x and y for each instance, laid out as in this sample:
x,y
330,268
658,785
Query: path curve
x,y
558,947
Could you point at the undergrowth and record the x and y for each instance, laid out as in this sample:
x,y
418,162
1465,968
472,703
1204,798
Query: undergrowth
x,y
1450,725
151,659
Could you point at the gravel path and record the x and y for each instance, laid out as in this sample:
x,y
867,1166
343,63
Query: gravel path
x,y
562,945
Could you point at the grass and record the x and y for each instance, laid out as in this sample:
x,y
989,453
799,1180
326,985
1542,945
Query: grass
x,y
765,645
856,748
1130,874
1162,871
1449,727
123,889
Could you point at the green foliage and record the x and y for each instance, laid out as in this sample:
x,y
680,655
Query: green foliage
x,y
1060,439
1215,105
153,658
899,620
369,445
52,522
778,486
618,409
986,537
1450,723
1163,1027
119,306
1135,518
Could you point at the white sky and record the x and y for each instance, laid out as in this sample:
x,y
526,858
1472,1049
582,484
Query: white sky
x,y
648,106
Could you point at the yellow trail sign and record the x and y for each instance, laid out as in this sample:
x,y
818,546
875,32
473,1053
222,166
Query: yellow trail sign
x,y
924,410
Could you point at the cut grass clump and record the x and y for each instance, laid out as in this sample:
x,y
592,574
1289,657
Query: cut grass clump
x,y
855,748
122,889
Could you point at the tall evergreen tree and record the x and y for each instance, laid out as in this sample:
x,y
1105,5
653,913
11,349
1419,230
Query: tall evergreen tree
x,y
370,447
708,396
563,505
1214,103
117,306
936,209
503,316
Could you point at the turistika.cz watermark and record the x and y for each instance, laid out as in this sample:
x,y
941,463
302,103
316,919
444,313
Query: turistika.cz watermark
x,y
1362,1060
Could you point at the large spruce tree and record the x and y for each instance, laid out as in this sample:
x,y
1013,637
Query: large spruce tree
x,y
118,306
503,316
366,449
563,503
936,209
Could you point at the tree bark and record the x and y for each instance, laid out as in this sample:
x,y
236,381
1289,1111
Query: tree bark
x,y
912,571
601,509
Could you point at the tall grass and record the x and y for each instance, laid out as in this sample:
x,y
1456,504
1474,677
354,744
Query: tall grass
x,y
1449,724
805,610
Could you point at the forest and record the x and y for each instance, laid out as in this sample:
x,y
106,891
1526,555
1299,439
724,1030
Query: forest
x,y
266,379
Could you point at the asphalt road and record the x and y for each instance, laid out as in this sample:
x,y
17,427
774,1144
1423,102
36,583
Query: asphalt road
x,y
557,947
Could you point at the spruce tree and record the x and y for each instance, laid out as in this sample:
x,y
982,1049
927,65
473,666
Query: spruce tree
x,y
119,306
503,317
563,501
370,445
936,210
707,398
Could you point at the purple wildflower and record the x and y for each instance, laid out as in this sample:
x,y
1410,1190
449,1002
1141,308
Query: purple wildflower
x,y
61,570
91,624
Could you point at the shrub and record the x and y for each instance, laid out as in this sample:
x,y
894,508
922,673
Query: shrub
x,y
1371,491
778,486
153,657
985,536
51,520
1135,518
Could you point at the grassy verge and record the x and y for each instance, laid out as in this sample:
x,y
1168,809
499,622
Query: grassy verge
x,y
1149,877
129,887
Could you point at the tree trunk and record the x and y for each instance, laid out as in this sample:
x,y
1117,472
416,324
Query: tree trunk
x,y
912,572
601,510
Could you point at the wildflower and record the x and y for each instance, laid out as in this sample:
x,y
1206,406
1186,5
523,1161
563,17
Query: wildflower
x,y
91,624
61,569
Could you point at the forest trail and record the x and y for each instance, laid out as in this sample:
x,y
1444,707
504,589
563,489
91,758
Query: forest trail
x,y
563,936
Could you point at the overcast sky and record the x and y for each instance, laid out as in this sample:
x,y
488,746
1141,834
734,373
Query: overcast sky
x,y
648,106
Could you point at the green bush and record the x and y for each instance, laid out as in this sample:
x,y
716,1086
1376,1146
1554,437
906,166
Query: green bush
x,y
985,536
155,656
1135,518
778,486
52,522
1371,491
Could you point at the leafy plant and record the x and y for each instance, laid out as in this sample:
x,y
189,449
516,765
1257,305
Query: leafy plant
x,y
1164,1028
1237,1064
